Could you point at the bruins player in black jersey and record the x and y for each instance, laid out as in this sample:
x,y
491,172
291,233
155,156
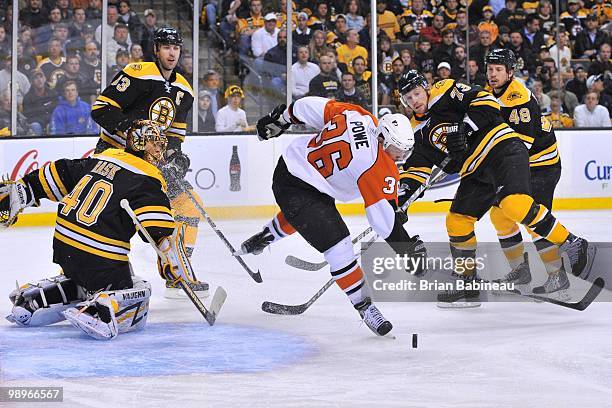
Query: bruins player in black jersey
x,y
521,111
155,91
463,123
96,291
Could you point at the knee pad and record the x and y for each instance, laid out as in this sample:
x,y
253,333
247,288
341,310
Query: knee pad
x,y
340,255
42,303
520,208
504,226
460,230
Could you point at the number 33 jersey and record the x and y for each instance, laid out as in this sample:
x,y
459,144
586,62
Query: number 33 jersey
x,y
345,160
92,230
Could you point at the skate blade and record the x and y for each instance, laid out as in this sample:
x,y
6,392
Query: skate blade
x,y
458,305
178,293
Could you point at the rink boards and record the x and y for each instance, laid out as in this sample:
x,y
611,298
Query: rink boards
x,y
585,181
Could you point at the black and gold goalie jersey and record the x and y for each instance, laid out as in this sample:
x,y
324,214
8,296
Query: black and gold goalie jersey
x,y
451,102
140,91
92,230
521,111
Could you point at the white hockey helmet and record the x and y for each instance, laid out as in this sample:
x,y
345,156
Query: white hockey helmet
x,y
398,136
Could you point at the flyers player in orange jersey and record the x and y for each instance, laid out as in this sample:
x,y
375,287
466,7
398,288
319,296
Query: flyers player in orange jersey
x,y
353,156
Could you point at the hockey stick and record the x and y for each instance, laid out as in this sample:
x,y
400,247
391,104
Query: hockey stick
x,y
278,308
582,304
255,275
220,294
436,175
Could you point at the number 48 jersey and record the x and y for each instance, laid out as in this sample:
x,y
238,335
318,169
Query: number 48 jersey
x,y
345,160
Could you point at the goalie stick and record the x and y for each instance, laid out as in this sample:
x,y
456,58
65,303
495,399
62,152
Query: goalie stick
x,y
436,175
220,294
255,275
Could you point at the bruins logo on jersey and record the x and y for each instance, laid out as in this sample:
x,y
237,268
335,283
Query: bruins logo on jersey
x,y
513,96
437,136
163,111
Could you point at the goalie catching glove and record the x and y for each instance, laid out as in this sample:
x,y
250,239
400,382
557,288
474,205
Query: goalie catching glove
x,y
14,197
273,124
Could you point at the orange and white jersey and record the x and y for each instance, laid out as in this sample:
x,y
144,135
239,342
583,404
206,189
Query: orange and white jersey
x,y
345,160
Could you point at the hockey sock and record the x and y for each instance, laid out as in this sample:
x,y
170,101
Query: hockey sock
x,y
346,271
280,227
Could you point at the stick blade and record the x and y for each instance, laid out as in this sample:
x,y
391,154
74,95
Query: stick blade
x,y
304,265
216,304
278,309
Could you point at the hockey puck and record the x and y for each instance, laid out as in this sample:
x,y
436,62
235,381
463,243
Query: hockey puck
x,y
414,340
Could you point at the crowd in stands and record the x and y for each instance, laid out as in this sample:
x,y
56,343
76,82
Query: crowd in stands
x,y
567,65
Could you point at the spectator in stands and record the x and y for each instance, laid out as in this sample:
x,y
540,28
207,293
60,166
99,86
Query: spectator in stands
x,y
406,56
186,66
488,24
597,83
602,64
525,58
443,71
482,49
557,117
568,99
246,27
348,93
591,114
44,33
532,36
25,39
229,18
429,77
347,52
91,65
23,84
433,33
390,88
511,17
39,102
354,19
120,41
475,76
75,45
562,54
130,19
33,15
60,31
25,63
22,128
320,19
54,65
387,21
112,17
504,37
546,16
93,12
538,92
210,8
265,38
450,11
459,63
577,85
72,72
65,10
302,33
303,72
423,57
276,59
150,25
445,50
459,28
71,115
5,43
206,119
386,55
325,84
336,37
136,54
589,40
317,46
413,20
212,84
231,118
122,58
573,18
363,79
75,27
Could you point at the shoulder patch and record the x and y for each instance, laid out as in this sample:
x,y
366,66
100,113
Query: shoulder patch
x,y
143,70
516,94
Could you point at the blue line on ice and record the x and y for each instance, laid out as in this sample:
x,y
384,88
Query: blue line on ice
x,y
160,349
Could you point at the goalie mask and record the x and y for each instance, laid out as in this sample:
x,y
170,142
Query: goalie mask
x,y
146,141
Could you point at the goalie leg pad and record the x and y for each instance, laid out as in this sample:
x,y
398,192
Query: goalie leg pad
x,y
42,303
176,264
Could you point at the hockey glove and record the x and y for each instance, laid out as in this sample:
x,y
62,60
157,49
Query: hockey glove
x,y
415,249
404,192
453,166
273,124
177,163
457,140
14,197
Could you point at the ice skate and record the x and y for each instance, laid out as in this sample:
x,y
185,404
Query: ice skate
x,y
520,277
555,282
257,243
459,299
578,255
373,318
174,290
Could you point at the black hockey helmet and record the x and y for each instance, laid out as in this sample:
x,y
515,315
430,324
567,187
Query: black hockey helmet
x,y
167,36
410,80
502,56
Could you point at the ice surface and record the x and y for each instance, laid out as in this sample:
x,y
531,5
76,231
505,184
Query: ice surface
x,y
499,355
